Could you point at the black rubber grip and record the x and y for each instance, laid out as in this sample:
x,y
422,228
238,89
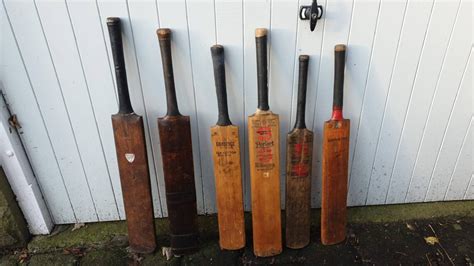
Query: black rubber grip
x,y
339,61
217,52
164,38
302,85
262,76
115,33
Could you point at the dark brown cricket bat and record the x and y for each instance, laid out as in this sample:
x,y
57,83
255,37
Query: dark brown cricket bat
x,y
335,161
177,156
299,150
264,157
132,159
227,168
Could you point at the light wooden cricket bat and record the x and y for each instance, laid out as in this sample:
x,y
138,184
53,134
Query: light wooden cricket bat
x,y
227,167
335,162
264,157
299,150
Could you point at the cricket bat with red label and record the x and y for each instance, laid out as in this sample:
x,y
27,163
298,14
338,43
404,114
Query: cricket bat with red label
x,y
299,149
264,157
335,161
227,167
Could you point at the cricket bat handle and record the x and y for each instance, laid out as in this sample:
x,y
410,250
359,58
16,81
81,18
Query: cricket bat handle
x,y
217,52
262,76
339,61
164,38
303,80
115,32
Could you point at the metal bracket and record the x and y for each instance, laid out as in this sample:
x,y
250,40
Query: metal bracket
x,y
311,13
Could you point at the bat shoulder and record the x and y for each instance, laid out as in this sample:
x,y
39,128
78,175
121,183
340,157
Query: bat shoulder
x,y
262,113
300,132
131,117
172,118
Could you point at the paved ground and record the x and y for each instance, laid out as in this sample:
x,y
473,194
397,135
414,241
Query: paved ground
x,y
446,240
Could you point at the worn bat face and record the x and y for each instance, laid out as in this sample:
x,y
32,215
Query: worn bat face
x,y
334,180
264,155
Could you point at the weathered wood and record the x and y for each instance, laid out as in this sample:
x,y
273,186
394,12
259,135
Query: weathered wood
x,y
132,160
264,154
334,174
229,195
178,170
298,187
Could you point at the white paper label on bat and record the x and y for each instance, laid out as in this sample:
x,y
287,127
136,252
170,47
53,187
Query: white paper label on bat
x,y
130,157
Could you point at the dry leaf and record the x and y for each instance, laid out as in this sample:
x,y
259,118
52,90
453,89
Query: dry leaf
x,y
431,240
78,226
411,227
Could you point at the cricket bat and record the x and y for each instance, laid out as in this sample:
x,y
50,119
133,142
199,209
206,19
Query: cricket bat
x,y
335,161
227,167
177,156
299,150
130,145
264,157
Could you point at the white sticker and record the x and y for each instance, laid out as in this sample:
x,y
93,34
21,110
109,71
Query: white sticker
x,y
130,157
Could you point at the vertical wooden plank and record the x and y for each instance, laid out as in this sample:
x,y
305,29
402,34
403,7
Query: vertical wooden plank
x,y
202,36
113,8
58,32
281,67
229,33
433,56
358,59
309,43
336,20
462,173
144,22
33,132
412,42
173,15
89,37
385,47
43,76
257,14
453,138
441,105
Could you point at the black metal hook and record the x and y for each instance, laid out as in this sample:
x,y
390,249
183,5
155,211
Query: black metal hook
x,y
311,13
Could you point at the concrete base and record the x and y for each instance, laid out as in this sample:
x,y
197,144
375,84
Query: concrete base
x,y
13,230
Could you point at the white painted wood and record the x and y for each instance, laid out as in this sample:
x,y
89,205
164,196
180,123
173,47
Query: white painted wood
x,y
173,14
429,68
412,42
257,14
75,94
469,195
86,24
390,25
309,43
459,181
202,35
144,22
358,59
336,25
34,135
42,73
405,61
453,138
18,171
441,106
281,65
112,8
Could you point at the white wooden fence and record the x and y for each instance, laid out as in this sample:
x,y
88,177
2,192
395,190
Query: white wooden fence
x,y
408,91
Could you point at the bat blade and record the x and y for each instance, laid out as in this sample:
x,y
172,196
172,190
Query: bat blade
x,y
298,187
334,180
228,176
178,169
135,180
264,152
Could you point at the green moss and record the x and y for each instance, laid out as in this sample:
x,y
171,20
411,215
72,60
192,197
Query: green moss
x,y
52,260
116,257
9,260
